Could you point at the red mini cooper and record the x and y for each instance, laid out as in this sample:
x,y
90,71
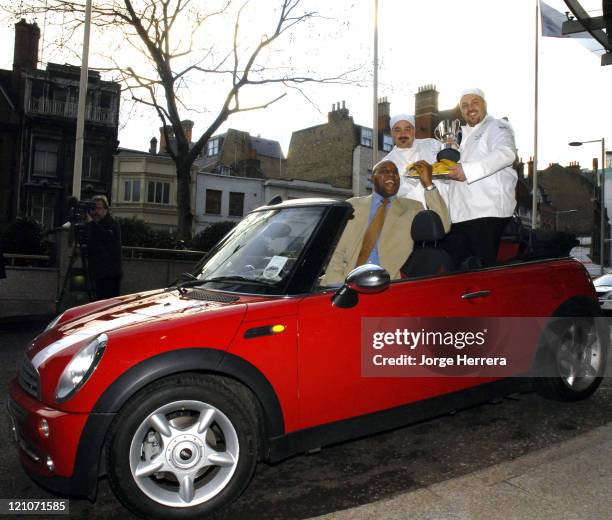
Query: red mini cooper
x,y
176,394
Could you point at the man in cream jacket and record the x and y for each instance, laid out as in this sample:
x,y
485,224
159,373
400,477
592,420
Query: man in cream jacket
x,y
393,244
482,196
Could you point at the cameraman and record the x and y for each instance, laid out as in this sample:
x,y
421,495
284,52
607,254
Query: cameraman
x,y
103,250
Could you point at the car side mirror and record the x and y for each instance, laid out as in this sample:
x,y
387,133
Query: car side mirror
x,y
365,279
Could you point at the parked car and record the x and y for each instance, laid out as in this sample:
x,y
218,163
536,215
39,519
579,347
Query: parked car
x,y
603,287
177,394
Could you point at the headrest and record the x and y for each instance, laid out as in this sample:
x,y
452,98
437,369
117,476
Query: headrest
x,y
427,227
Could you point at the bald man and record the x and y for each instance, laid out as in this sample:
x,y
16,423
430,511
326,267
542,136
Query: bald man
x,y
482,194
392,244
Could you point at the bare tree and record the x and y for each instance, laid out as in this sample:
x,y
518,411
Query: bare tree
x,y
168,35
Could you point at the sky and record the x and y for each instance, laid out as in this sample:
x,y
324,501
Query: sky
x,y
453,45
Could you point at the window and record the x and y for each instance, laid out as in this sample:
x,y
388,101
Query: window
x,y
366,137
45,158
106,99
92,166
131,191
212,147
387,143
41,208
236,204
158,192
213,202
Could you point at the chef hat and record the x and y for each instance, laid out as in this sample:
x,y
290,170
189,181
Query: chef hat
x,y
475,91
402,117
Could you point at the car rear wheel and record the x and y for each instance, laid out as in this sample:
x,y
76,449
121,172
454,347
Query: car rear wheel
x,y
572,360
183,447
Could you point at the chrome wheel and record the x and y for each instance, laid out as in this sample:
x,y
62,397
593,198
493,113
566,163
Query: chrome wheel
x,y
184,453
580,355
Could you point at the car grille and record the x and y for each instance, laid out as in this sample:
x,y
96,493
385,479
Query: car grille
x,y
28,378
201,294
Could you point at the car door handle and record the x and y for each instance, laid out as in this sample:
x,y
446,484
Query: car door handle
x,y
477,294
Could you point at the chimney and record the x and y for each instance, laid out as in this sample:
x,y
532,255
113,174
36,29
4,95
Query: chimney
x,y
338,113
25,54
530,168
519,166
163,145
426,110
153,146
595,164
383,115
187,128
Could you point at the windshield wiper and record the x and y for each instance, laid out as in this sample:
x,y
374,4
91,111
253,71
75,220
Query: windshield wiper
x,y
189,282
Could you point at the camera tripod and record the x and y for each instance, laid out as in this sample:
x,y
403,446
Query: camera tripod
x,y
77,251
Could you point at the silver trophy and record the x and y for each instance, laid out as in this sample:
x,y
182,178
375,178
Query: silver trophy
x,y
449,134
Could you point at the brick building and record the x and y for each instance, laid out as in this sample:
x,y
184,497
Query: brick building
x,y
339,152
238,153
38,111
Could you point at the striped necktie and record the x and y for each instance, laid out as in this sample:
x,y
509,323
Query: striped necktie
x,y
372,233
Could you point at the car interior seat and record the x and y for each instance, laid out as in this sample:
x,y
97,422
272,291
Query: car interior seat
x,y
427,257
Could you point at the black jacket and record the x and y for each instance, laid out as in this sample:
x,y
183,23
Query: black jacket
x,y
104,248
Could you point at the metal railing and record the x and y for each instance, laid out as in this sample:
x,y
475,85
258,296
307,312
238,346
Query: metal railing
x,y
43,105
29,260
135,253
128,253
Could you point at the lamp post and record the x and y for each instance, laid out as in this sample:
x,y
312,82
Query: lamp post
x,y
602,211
557,213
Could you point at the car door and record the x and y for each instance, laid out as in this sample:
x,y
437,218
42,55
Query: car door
x,y
331,385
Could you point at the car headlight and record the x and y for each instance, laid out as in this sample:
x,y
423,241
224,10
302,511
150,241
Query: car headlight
x,y
81,366
54,322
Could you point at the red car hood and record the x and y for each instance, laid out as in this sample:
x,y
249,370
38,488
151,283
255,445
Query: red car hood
x,y
149,308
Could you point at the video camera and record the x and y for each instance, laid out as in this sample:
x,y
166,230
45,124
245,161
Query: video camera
x,y
77,209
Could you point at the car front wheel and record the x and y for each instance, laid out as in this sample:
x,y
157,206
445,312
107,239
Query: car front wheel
x,y
183,447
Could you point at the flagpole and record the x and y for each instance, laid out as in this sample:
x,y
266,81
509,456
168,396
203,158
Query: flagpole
x,y
375,90
80,126
534,196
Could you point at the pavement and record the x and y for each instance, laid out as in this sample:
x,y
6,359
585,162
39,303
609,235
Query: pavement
x,y
569,481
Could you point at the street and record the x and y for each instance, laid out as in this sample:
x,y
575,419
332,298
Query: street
x,y
358,472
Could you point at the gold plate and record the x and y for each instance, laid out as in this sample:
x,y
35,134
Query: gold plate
x,y
415,175
444,163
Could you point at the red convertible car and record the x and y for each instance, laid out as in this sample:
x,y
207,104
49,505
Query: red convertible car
x,y
176,394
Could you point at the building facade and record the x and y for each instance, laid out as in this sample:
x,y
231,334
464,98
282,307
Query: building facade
x,y
222,197
237,153
38,110
144,187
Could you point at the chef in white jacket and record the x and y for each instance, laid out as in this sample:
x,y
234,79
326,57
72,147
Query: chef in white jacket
x,y
408,150
482,196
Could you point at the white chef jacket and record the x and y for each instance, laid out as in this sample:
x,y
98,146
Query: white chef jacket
x,y
487,153
421,150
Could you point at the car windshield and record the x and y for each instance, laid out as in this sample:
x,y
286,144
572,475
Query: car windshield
x,y
263,248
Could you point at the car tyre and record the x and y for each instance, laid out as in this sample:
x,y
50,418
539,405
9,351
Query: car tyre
x,y
184,446
572,357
